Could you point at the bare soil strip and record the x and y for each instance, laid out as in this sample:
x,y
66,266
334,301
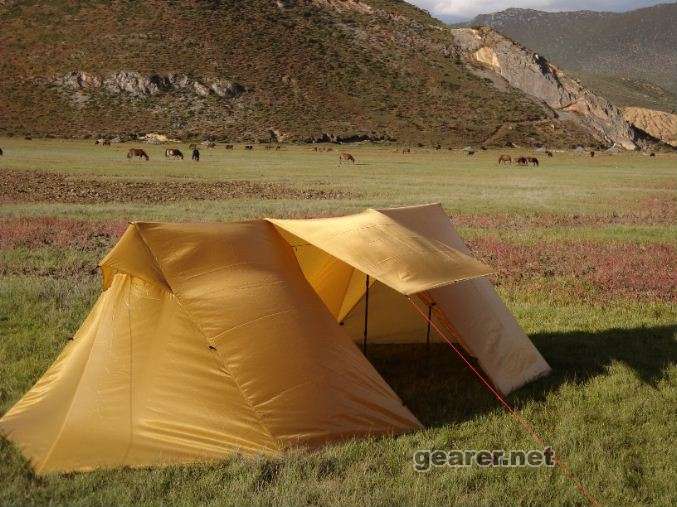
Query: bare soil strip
x,y
38,186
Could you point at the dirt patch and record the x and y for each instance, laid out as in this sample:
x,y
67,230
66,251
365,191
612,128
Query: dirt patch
x,y
585,270
34,186
36,232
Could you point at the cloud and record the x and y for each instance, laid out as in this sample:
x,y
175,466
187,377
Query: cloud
x,y
469,8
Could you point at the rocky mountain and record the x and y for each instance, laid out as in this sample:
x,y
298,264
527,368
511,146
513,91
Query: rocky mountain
x,y
272,70
659,124
534,75
630,57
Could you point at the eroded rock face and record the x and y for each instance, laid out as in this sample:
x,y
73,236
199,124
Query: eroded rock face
x,y
659,124
534,75
139,85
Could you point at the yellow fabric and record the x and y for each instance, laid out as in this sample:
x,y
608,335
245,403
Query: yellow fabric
x,y
487,328
211,339
376,245
229,350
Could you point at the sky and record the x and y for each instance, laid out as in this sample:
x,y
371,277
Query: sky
x,y
461,10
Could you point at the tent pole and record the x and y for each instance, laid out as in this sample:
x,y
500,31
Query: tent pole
x,y
427,335
366,316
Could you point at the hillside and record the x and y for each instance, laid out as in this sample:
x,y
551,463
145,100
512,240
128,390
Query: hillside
x,y
629,57
261,70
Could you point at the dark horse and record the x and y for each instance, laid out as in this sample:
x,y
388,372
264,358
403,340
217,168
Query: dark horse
x,y
533,160
137,152
174,153
522,161
196,155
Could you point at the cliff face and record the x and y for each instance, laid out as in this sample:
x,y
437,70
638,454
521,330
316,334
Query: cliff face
x,y
535,76
659,124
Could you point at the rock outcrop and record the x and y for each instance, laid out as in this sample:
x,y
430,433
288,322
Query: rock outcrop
x,y
534,75
659,124
139,85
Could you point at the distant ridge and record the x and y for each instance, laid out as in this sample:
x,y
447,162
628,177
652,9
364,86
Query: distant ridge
x,y
630,57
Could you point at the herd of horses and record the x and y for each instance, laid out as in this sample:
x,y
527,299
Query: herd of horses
x,y
176,153
344,156
523,161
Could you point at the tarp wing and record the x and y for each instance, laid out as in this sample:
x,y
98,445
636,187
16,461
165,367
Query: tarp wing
x,y
382,248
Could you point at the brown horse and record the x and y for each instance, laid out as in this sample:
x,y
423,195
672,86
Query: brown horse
x,y
174,153
522,161
549,154
249,147
533,161
592,154
406,150
229,146
137,152
344,155
471,153
507,159
652,154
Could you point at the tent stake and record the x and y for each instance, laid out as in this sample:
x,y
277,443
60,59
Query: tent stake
x,y
366,316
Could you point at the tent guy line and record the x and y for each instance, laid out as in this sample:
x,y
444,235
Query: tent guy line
x,y
504,403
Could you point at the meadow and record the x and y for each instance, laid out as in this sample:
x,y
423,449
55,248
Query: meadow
x,y
585,251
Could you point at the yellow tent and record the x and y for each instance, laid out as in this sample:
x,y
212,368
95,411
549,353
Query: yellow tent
x,y
210,339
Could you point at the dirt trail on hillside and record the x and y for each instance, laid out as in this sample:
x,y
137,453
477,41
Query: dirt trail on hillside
x,y
35,186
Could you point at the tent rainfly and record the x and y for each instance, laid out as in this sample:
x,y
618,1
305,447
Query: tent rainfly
x,y
213,339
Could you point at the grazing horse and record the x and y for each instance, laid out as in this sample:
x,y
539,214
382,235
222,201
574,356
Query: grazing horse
x,y
174,153
406,150
196,155
0,152
533,161
249,147
344,155
549,154
522,161
652,154
507,159
592,154
278,147
137,152
471,153
229,146
438,147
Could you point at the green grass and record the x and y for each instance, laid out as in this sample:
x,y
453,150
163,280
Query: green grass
x,y
607,409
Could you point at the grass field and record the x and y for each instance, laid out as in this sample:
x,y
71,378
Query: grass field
x,y
585,251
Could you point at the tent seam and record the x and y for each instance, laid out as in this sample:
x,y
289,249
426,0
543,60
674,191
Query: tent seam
x,y
179,299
